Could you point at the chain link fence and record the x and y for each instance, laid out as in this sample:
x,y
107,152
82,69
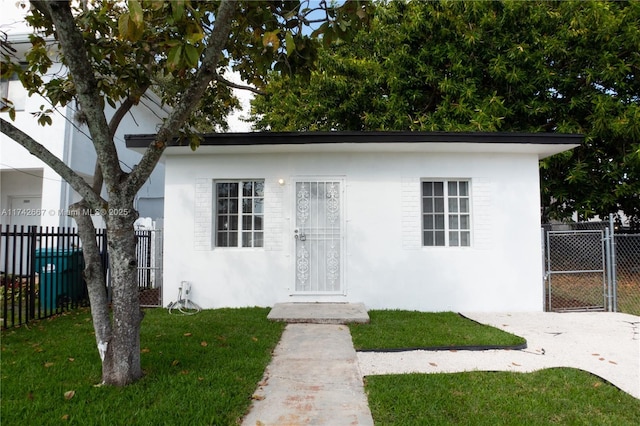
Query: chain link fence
x,y
590,267
627,272
576,274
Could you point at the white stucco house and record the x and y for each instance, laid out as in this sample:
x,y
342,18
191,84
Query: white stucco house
x,y
424,221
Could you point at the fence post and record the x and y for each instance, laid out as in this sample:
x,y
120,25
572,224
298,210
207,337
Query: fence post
x,y
548,274
614,278
33,242
607,255
158,262
545,274
4,245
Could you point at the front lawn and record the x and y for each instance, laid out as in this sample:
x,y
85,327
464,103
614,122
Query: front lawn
x,y
557,396
199,370
394,330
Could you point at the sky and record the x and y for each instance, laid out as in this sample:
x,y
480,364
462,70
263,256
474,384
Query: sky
x,y
245,97
12,17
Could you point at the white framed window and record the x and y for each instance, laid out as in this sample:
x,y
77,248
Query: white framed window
x,y
239,213
446,213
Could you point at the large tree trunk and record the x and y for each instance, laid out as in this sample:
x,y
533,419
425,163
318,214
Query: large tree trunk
x,y
121,364
94,276
118,338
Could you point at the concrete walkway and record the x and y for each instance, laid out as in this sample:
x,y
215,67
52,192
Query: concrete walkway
x,y
313,379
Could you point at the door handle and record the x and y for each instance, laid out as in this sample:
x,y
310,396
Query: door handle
x,y
299,235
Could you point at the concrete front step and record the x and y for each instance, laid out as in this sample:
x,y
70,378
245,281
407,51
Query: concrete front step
x,y
319,313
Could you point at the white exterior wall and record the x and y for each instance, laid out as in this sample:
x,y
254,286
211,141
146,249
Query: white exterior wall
x,y
16,160
385,263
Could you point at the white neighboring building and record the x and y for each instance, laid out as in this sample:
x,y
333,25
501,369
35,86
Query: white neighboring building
x,y
31,193
407,220
28,185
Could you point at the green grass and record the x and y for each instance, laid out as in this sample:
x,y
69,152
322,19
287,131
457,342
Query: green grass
x,y
392,330
199,370
562,396
203,369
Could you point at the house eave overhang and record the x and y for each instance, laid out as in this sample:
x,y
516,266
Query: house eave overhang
x,y
20,42
540,144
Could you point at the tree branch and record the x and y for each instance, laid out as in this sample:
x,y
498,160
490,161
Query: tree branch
x,y
226,82
124,108
36,149
40,6
114,123
89,97
206,73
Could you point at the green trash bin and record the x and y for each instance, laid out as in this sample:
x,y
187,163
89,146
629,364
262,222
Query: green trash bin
x,y
60,274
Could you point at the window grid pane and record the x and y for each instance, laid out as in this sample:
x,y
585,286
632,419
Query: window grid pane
x,y
459,222
464,188
445,213
239,214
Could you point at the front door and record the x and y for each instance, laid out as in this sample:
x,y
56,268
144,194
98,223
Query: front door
x,y
318,234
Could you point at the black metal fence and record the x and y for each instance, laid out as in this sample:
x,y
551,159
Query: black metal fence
x,y
41,271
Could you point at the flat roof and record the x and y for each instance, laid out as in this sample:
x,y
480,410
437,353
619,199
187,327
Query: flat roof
x,y
543,144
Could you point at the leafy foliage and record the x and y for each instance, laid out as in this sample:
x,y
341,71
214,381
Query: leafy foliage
x,y
138,44
539,66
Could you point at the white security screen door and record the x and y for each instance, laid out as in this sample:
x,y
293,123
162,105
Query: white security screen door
x,y
318,236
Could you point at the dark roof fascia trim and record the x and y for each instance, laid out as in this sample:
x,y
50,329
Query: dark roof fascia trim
x,y
308,138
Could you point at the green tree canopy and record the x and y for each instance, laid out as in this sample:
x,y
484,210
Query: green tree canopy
x,y
536,66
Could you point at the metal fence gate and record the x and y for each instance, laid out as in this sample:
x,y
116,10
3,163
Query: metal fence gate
x,y
591,269
576,271
149,251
